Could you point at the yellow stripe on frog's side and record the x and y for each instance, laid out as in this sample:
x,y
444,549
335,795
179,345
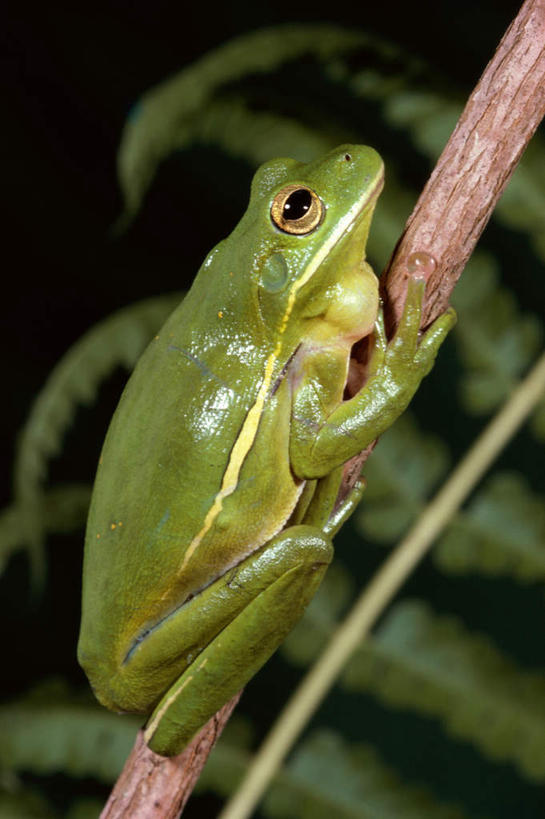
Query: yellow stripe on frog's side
x,y
247,435
240,449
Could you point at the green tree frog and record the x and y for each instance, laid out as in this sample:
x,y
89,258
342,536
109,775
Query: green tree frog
x,y
215,498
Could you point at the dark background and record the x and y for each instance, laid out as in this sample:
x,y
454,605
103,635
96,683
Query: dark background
x,y
72,73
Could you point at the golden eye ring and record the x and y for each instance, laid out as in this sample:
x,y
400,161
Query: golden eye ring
x,y
297,209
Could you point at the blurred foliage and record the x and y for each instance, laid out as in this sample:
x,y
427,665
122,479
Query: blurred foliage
x,y
117,341
327,777
298,90
501,532
434,665
50,731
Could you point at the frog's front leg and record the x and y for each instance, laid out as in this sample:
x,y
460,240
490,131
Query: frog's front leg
x,y
269,592
320,443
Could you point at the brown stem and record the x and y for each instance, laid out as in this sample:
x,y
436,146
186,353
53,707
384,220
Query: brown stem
x,y
498,121
157,787
477,162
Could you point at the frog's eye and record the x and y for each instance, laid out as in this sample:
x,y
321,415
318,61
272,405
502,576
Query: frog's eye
x,y
297,209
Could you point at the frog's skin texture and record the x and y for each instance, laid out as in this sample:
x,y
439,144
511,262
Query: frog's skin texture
x,y
214,504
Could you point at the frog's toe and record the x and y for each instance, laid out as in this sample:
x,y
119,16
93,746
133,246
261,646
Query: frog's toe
x,y
434,337
406,335
380,345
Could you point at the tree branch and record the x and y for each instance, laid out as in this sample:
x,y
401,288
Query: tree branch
x,y
157,787
498,121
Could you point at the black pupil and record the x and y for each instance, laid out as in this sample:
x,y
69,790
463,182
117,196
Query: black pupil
x,y
297,204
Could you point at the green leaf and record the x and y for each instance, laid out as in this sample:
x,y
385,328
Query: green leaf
x,y
436,666
400,474
388,75
117,341
254,135
501,532
428,116
71,737
64,509
152,130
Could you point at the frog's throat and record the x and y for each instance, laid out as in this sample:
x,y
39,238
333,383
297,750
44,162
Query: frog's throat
x,y
364,205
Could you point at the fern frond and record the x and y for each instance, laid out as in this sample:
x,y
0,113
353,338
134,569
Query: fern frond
x,y
429,117
400,473
64,509
497,344
153,128
392,71
502,531
116,341
327,777
254,135
68,737
436,666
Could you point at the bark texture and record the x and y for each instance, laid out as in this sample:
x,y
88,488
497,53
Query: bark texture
x,y
157,787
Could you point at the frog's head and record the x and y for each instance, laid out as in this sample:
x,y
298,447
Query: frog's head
x,y
310,224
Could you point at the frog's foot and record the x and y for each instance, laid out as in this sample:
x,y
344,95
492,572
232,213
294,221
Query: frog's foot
x,y
410,355
411,348
433,338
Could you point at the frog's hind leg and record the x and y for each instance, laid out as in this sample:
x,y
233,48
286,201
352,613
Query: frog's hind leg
x,y
278,581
